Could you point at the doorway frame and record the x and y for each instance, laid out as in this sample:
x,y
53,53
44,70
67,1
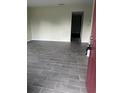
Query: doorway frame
x,y
82,25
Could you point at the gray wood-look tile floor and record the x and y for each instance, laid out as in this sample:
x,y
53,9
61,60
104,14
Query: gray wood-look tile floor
x,y
56,67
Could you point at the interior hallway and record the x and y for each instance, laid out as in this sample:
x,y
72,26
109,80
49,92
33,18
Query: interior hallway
x,y
56,67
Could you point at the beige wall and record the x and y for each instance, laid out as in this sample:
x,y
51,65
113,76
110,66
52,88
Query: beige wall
x,y
54,23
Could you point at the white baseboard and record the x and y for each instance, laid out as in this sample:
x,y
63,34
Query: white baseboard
x,y
28,40
50,40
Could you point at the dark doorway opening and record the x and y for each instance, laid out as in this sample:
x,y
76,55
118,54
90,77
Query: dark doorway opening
x,y
76,26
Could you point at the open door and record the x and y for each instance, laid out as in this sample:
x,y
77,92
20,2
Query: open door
x,y
76,26
91,73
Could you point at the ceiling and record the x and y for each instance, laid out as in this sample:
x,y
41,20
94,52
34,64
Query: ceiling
x,y
32,3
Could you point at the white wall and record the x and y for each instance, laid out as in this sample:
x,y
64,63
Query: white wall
x,y
54,23
29,34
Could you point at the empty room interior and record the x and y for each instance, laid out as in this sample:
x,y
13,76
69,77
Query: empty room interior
x,y
58,35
